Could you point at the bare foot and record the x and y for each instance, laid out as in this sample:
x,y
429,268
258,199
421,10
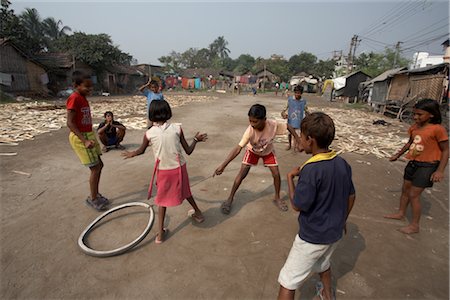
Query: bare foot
x,y
396,216
409,229
288,148
159,239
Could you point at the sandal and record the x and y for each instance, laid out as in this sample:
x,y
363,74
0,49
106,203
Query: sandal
x,y
104,199
96,203
225,208
199,218
281,204
159,241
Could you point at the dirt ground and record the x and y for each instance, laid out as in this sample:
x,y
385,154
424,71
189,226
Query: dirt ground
x,y
238,256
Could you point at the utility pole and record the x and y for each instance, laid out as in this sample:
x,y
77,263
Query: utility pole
x,y
351,53
264,78
397,53
349,57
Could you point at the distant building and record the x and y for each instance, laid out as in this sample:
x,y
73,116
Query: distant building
x,y
424,59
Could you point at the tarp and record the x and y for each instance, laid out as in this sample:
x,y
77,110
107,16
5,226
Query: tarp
x,y
339,82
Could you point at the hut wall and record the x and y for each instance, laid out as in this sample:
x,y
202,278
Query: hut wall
x,y
379,92
399,88
427,86
35,74
13,63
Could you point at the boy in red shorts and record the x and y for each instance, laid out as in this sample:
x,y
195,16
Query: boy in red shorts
x,y
259,141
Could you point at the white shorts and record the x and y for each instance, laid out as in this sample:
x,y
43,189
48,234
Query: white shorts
x,y
304,258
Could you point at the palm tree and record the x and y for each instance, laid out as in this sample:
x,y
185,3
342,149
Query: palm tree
x,y
219,47
32,22
51,28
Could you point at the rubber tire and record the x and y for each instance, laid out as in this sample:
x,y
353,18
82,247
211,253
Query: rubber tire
x,y
120,250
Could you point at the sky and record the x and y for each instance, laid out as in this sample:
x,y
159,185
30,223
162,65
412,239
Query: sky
x,y
149,29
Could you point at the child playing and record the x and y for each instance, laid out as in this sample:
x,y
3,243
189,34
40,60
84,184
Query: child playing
x,y
428,153
82,138
324,196
259,140
152,92
111,132
295,112
172,178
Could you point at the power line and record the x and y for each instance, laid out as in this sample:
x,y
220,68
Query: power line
x,y
382,19
390,21
434,31
438,22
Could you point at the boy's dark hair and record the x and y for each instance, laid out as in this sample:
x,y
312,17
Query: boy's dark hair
x,y
320,127
154,82
298,88
108,113
257,111
431,106
159,111
78,77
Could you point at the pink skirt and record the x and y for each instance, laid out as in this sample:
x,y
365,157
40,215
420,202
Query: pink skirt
x,y
172,187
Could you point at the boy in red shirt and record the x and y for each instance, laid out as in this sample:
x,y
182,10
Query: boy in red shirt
x,y
82,137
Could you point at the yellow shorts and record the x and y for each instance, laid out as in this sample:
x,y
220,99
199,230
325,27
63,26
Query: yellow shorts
x,y
88,157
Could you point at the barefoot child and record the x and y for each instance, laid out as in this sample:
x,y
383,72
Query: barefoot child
x,y
259,140
82,137
294,112
172,179
428,153
324,196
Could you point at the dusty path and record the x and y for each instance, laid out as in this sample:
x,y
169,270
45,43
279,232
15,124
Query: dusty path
x,y
228,257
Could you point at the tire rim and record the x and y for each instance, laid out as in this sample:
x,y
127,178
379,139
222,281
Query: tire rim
x,y
105,253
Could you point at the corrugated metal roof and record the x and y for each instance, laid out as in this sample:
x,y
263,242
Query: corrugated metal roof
x,y
385,75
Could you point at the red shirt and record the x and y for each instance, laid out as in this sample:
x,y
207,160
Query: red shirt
x,y
80,105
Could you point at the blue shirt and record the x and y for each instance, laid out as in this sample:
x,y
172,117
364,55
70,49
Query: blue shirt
x,y
152,96
322,194
296,111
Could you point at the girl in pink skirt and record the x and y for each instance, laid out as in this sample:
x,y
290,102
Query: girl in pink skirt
x,y
172,179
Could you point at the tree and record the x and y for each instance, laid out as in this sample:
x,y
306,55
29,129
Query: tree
x,y
96,50
11,28
51,28
374,64
172,61
324,69
303,62
219,48
244,63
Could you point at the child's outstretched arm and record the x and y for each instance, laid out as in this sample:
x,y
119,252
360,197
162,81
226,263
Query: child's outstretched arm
x,y
439,174
291,186
403,150
190,148
234,152
139,151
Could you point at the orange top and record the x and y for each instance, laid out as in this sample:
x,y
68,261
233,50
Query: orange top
x,y
425,145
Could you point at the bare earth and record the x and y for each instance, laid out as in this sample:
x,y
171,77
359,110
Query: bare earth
x,y
227,257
